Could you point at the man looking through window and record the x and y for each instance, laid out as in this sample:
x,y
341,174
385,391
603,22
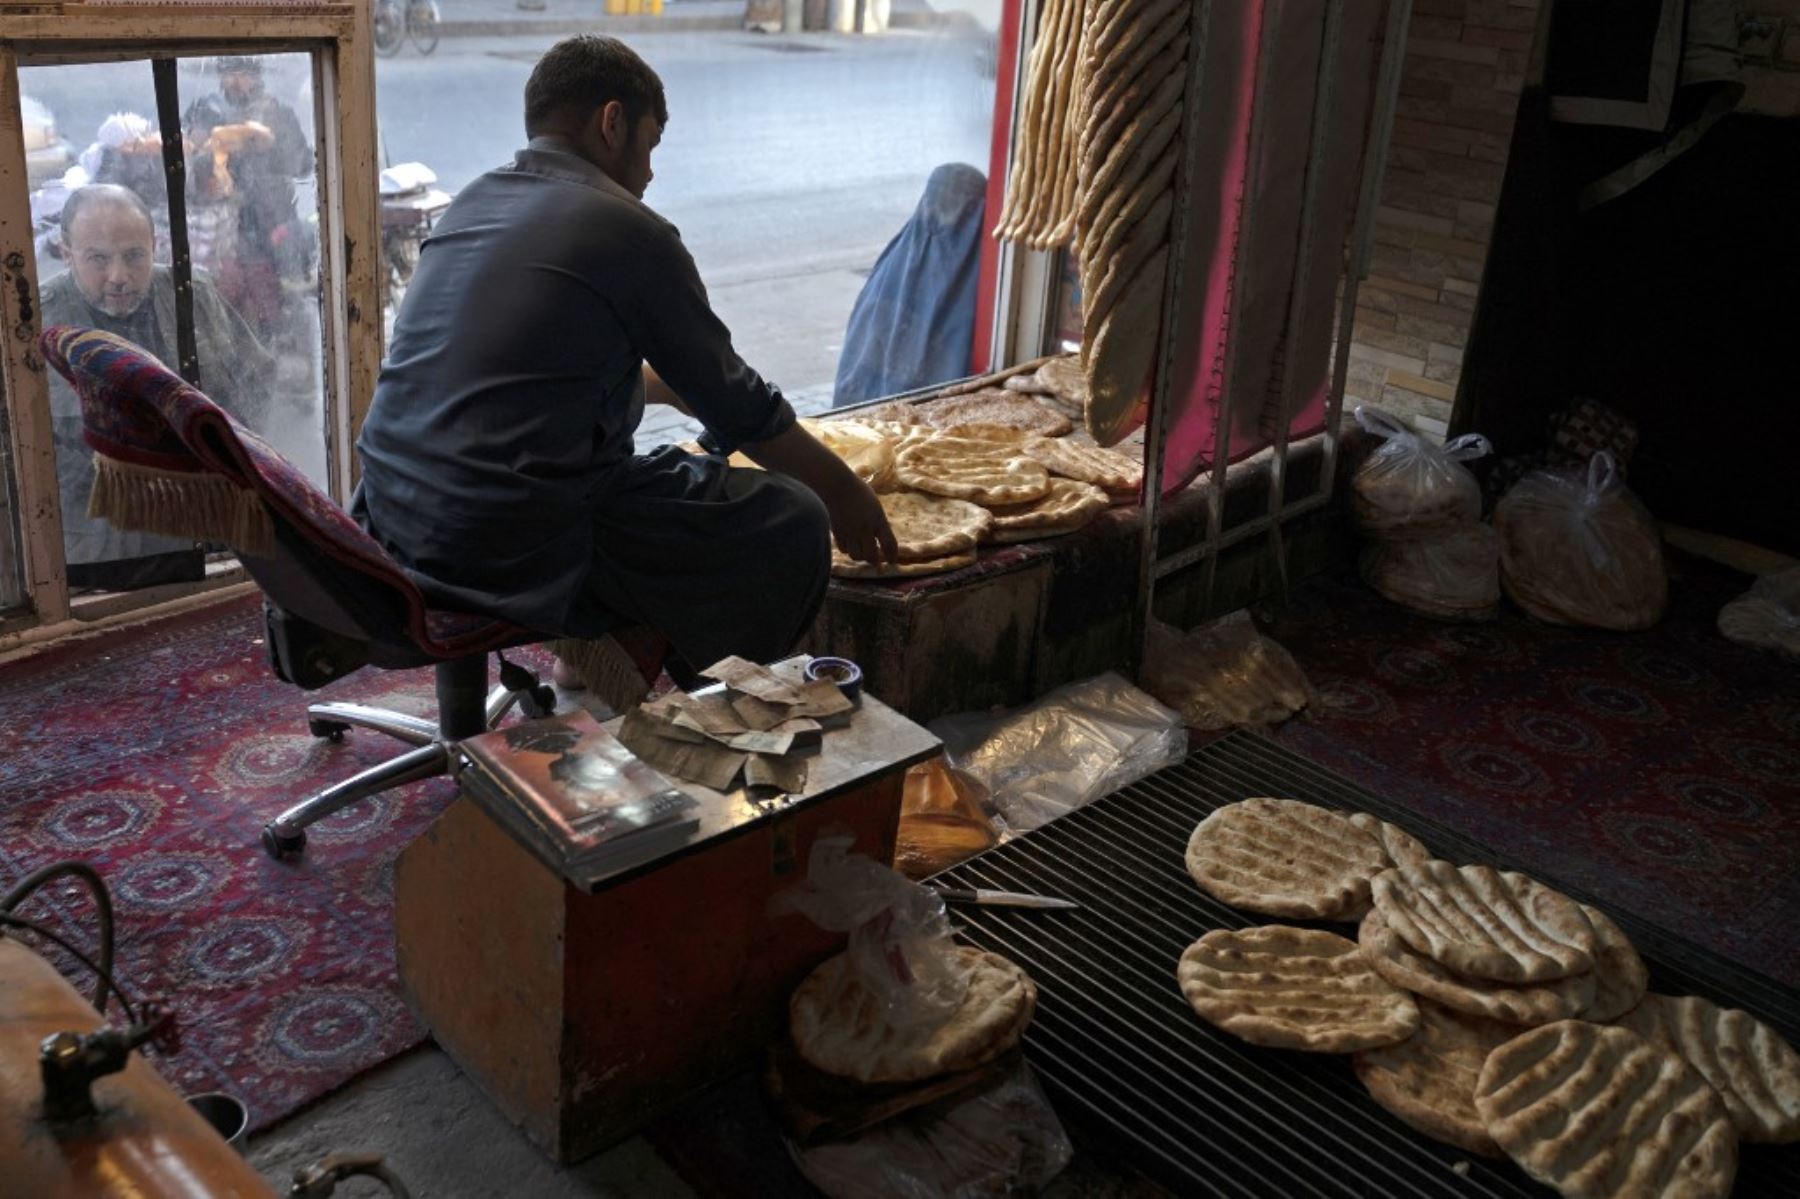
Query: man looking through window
x,y
548,306
113,283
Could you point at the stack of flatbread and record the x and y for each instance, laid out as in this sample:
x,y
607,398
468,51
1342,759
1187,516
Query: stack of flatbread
x,y
1059,382
1135,68
839,1027
1041,189
990,466
1502,1045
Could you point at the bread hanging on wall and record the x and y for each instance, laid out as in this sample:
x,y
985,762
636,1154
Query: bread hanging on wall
x,y
1134,81
1041,189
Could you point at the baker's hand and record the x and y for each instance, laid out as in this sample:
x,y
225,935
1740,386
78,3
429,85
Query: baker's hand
x,y
858,524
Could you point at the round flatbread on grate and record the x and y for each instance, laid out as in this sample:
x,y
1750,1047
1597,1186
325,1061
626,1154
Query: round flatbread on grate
x,y
840,1028
1596,1111
1086,463
845,567
1754,1071
1620,976
1065,380
986,472
1428,1080
1067,506
1401,847
1529,1004
1294,988
1282,857
931,526
997,406
1486,924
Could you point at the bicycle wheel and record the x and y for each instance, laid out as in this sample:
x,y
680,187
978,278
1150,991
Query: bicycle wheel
x,y
422,24
390,27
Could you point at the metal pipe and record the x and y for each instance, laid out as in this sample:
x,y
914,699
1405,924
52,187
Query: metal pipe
x,y
1284,418
1242,269
1381,128
1156,426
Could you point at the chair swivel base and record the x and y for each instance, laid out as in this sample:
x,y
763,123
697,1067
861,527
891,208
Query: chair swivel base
x,y
433,752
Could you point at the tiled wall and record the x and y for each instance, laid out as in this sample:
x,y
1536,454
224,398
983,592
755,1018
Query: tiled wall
x,y
1459,91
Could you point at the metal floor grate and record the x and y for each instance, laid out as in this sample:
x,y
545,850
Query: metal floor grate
x,y
1120,1050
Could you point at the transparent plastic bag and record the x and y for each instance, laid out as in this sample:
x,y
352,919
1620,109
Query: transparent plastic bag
x,y
1000,1141
900,949
1074,745
1409,487
1452,575
1579,549
1224,674
1768,615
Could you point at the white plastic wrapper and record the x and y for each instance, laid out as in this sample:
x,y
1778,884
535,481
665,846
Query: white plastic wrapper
x,y
1410,487
1002,1141
1224,675
1067,749
900,950
1581,550
1768,615
1451,575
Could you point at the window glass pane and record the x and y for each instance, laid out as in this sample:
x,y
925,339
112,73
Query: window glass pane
x,y
104,252
790,162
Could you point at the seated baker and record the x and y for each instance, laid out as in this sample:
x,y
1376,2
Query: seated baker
x,y
548,306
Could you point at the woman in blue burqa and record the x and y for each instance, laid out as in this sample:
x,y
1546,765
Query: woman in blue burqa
x,y
914,323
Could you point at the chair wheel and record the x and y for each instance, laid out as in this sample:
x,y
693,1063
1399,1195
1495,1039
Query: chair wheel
x,y
538,702
283,847
331,730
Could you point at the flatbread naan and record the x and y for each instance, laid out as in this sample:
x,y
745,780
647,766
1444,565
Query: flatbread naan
x,y
985,472
839,1027
997,406
1594,1110
1483,923
1754,1071
1281,857
1428,1080
1294,988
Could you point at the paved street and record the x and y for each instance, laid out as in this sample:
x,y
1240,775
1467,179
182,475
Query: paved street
x,y
789,160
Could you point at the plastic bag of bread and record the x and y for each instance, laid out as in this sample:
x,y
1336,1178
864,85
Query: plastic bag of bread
x,y
1224,674
1451,575
1768,615
942,820
1000,1141
1409,487
1579,549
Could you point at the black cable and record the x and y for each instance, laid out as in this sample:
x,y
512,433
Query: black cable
x,y
107,982
32,882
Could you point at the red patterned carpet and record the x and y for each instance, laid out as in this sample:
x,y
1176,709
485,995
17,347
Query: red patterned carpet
x,y
1660,770
157,754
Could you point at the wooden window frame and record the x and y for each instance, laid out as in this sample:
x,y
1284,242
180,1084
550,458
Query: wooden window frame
x,y
338,36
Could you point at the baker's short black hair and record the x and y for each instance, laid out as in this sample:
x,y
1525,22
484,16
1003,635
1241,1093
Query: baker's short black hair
x,y
83,198
589,71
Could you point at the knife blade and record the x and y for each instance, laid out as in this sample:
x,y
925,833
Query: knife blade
x,y
1002,899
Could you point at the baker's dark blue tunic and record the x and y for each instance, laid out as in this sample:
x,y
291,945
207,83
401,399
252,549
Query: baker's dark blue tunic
x,y
498,460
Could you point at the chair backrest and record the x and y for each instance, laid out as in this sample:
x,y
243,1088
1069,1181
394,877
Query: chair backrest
x,y
324,568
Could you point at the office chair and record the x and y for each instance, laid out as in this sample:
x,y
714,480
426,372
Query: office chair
x,y
169,460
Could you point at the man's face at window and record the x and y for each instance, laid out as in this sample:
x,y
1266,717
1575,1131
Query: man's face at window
x,y
109,250
238,86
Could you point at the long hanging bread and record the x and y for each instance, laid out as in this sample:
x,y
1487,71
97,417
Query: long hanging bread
x,y
1131,106
1041,189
